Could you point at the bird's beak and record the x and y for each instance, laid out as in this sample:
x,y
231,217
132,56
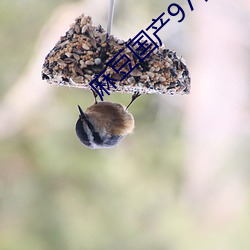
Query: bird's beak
x,y
82,115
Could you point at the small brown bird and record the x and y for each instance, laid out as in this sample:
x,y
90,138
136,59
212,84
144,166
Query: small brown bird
x,y
104,124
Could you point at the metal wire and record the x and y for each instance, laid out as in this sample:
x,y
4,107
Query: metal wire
x,y
110,15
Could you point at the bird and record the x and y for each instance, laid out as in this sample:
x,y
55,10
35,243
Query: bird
x,y
104,124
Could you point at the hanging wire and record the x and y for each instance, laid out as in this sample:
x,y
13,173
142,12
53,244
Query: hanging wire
x,y
110,16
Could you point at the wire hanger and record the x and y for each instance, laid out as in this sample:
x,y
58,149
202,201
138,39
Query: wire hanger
x,y
110,16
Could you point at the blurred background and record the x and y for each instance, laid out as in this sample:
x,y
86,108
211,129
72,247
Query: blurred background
x,y
180,182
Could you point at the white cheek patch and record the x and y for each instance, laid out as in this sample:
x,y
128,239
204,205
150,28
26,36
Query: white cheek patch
x,y
89,133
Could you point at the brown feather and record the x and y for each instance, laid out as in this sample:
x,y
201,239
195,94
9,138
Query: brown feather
x,y
111,117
